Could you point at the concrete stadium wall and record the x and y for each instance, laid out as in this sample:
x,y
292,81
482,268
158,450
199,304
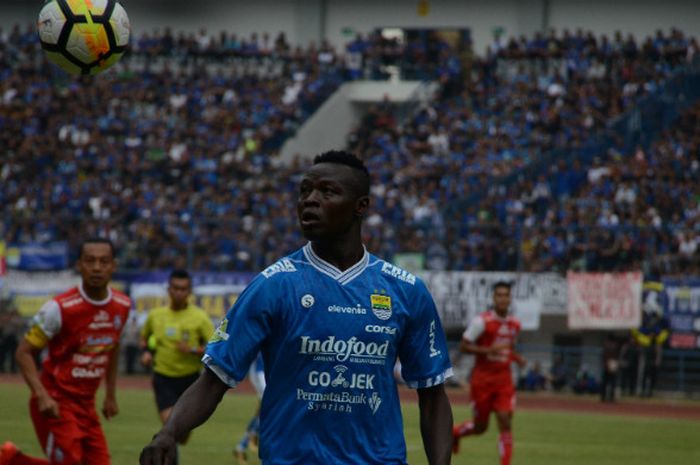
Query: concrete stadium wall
x,y
301,20
639,17
305,20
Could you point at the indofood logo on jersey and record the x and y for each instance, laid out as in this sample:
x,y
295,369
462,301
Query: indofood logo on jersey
x,y
381,306
342,350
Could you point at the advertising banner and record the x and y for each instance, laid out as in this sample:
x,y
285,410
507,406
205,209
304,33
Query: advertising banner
x,y
604,300
38,257
213,292
3,265
30,290
461,295
681,302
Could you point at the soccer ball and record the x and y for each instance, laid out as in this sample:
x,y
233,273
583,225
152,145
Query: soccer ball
x,y
83,36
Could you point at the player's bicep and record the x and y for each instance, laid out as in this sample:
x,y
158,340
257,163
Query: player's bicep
x,y
36,337
206,330
474,330
237,339
423,349
147,328
45,325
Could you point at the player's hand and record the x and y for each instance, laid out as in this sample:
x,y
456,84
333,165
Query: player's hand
x,y
146,359
522,363
161,451
184,347
48,406
110,408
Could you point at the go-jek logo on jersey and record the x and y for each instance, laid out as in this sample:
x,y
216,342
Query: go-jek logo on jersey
x,y
340,378
341,350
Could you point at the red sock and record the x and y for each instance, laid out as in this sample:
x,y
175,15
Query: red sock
x,y
465,429
505,447
21,459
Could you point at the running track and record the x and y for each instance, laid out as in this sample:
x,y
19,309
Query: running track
x,y
657,407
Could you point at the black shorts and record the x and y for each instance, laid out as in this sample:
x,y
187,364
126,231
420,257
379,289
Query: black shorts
x,y
168,389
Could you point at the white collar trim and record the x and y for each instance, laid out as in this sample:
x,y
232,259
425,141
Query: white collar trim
x,y
343,277
92,301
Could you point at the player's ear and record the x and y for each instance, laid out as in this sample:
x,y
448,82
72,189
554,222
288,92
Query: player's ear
x,y
361,206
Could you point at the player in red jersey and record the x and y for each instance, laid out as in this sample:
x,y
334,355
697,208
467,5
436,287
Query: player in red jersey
x,y
81,330
491,337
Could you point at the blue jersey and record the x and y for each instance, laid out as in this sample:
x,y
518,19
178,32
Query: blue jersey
x,y
329,340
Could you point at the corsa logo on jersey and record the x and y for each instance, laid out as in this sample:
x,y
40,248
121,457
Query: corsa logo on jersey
x,y
380,329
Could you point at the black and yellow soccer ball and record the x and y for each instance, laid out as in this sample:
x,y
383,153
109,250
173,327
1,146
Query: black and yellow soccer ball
x,y
83,36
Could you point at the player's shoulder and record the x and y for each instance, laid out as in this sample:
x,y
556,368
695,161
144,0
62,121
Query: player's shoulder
x,y
513,320
283,268
197,310
121,298
158,311
395,273
69,298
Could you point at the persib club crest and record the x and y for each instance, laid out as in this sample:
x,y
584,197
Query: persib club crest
x,y
381,306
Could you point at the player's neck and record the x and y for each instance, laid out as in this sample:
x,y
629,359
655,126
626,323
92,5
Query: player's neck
x,y
501,315
341,254
96,293
176,307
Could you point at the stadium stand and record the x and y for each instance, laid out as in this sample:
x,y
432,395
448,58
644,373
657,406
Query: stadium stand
x,y
154,156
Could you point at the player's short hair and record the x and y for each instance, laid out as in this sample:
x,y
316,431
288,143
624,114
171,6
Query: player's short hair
x,y
342,157
96,240
179,274
505,284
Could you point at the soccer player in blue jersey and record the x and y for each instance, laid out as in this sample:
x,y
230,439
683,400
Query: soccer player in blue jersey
x,y
330,320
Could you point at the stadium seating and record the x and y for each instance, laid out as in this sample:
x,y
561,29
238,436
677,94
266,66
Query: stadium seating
x,y
174,158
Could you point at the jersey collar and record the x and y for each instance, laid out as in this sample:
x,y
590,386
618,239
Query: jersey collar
x,y
92,301
343,277
498,317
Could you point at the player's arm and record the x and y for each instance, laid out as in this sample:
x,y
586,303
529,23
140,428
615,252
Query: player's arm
x,y
27,350
146,333
206,331
517,358
25,356
110,407
193,408
436,424
468,343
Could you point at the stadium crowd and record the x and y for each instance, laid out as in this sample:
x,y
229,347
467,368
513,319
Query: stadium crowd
x,y
177,163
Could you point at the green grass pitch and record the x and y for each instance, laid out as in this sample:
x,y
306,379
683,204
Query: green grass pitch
x,y
541,438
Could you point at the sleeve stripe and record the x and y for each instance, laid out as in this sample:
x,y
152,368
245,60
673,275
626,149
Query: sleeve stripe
x,y
218,371
430,382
